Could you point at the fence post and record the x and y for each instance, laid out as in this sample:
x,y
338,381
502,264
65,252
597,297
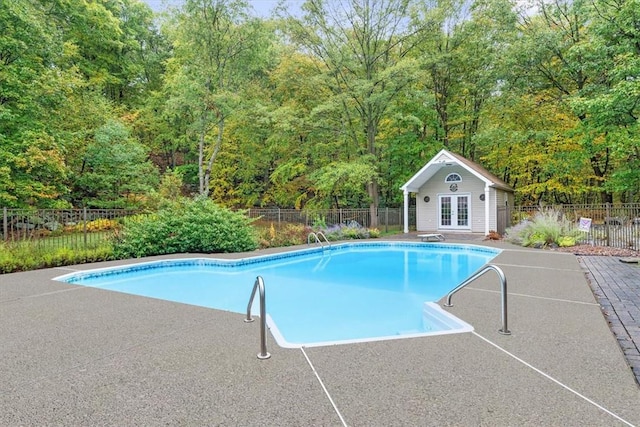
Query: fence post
x,y
386,219
607,220
5,225
278,217
84,226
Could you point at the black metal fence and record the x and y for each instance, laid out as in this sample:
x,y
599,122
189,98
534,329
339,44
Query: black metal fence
x,y
611,225
614,225
86,228
56,228
388,219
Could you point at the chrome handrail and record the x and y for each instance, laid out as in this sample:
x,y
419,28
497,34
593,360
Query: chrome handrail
x,y
317,238
259,285
503,287
321,234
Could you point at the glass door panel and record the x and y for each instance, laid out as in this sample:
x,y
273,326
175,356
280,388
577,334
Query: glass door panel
x,y
454,211
463,211
445,211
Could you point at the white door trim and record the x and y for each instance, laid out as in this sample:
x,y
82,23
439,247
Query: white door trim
x,y
454,219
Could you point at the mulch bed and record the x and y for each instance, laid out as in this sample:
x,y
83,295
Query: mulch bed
x,y
588,250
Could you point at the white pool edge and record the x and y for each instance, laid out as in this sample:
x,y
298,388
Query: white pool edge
x,y
458,326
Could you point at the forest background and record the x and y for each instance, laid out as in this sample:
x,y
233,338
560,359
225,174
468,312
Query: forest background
x,y
105,104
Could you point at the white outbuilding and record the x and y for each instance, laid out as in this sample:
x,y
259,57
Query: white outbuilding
x,y
454,194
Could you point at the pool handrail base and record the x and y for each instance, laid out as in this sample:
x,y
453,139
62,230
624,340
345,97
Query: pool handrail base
x,y
503,287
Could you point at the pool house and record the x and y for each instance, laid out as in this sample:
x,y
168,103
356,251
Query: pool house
x,y
455,194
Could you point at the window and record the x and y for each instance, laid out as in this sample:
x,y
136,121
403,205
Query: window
x,y
453,177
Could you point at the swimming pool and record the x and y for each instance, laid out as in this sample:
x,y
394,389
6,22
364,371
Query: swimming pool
x,y
349,292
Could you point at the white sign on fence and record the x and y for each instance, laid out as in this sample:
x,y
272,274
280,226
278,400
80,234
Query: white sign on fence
x,y
584,225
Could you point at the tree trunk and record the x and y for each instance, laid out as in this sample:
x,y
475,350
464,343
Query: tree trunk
x,y
373,188
213,156
600,171
373,191
201,155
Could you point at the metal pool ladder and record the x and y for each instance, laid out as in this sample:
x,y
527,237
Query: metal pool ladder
x,y
503,287
316,237
259,285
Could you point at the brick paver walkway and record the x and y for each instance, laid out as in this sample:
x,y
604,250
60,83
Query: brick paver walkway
x,y
616,286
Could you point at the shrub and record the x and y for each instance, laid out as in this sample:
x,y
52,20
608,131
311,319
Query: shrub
x,y
566,241
101,224
286,235
289,234
198,226
546,228
25,256
351,231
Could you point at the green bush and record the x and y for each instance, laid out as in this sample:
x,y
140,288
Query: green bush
x,y
546,228
198,226
24,256
285,235
288,234
352,231
566,241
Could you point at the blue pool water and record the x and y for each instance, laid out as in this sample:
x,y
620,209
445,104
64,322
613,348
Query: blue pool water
x,y
345,293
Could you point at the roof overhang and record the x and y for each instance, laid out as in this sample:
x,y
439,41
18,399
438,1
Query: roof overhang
x,y
447,159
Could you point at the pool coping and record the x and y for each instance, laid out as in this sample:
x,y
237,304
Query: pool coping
x,y
76,355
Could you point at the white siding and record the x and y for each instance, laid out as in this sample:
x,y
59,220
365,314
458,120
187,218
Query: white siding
x,y
427,213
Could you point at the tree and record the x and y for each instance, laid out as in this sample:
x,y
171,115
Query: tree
x,y
116,170
363,46
32,169
218,47
611,106
556,62
460,59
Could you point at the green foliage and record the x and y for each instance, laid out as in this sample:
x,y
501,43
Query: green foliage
x,y
171,185
566,241
349,232
548,227
374,233
285,235
198,226
319,222
343,182
24,256
335,106
116,167
218,49
297,234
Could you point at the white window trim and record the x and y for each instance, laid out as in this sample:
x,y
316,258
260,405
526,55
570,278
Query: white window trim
x,y
452,174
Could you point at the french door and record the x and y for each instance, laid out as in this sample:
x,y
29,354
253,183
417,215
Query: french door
x,y
454,211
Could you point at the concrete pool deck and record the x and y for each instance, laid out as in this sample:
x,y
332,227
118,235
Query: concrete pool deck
x,y
72,355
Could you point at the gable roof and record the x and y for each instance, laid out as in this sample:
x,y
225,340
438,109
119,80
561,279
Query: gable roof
x,y
446,158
